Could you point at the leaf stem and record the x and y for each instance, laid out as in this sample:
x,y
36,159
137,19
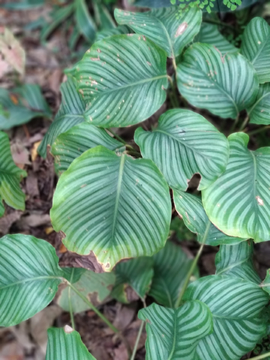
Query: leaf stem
x,y
234,124
261,129
263,356
137,341
244,123
117,137
220,23
173,95
70,303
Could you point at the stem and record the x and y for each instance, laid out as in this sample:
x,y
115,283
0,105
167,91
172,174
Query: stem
x,y
137,341
259,130
69,302
173,95
263,356
234,124
220,23
174,65
117,136
244,123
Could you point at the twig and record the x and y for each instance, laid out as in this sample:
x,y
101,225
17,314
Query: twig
x,y
137,341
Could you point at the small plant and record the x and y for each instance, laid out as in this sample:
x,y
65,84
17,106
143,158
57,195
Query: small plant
x,y
114,198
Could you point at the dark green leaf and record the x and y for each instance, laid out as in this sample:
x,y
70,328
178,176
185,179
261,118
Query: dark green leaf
x,y
259,112
84,21
114,31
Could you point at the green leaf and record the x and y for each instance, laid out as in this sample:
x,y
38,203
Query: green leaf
x,y
180,230
29,277
84,21
224,85
237,260
123,80
103,17
171,265
73,274
236,306
256,47
175,333
66,344
69,115
137,273
191,210
209,34
114,31
112,205
179,146
259,112
95,287
71,144
164,26
238,203
10,177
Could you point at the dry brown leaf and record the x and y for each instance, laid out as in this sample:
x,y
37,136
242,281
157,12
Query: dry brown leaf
x,y
34,152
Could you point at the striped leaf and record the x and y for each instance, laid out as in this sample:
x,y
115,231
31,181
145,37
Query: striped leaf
x,y
237,261
70,114
135,273
71,144
123,80
66,344
185,143
259,112
238,203
29,277
84,21
222,84
165,27
236,306
112,205
95,287
190,209
175,333
256,47
171,265
114,31
10,177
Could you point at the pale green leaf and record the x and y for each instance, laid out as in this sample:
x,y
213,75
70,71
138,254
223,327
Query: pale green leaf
x,y
29,277
84,21
175,333
112,205
238,203
123,80
259,112
222,84
185,143
165,27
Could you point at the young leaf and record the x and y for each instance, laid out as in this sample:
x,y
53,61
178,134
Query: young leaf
x,y
70,114
256,47
115,206
259,112
137,273
95,287
114,31
123,80
191,210
179,146
238,202
222,84
164,26
171,265
236,306
175,333
66,344
84,21
237,260
71,144
10,176
29,277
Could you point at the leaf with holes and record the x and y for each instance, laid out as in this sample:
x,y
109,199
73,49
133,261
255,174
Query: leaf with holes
x,y
123,80
222,84
29,277
175,333
259,112
238,203
236,306
179,146
256,47
112,205
165,27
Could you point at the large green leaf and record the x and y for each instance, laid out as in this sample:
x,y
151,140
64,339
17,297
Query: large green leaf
x,y
84,21
185,143
70,114
222,84
259,112
238,203
123,80
171,265
10,177
136,273
29,277
236,306
191,210
164,26
71,144
237,260
66,344
115,206
114,31
175,333
256,47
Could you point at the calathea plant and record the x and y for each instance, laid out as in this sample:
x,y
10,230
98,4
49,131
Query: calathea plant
x,y
114,199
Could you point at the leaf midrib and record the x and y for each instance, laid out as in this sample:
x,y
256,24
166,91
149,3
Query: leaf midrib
x,y
168,37
233,266
258,101
32,279
261,49
174,338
